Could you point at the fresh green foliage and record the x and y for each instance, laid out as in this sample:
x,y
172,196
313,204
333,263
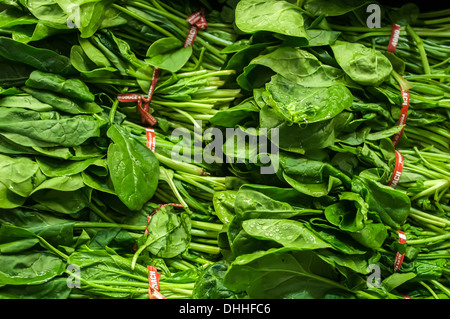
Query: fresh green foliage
x,y
86,206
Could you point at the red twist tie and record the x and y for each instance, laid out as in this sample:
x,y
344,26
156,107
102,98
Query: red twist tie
x,y
151,138
403,115
153,283
399,257
397,170
395,35
133,97
151,90
197,21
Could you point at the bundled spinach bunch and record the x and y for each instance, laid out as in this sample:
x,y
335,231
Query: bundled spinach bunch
x,y
57,119
70,163
68,257
118,47
421,58
76,163
332,104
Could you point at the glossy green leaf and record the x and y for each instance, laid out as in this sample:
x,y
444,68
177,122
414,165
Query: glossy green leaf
x,y
134,168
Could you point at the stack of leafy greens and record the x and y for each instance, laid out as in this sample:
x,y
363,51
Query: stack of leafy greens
x,y
319,229
307,212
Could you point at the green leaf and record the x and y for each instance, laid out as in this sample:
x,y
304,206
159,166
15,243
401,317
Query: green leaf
x,y
135,170
301,104
56,288
29,268
41,59
72,88
25,101
363,65
349,214
172,231
210,283
275,16
55,167
72,131
168,54
63,103
55,230
288,233
335,8
20,175
392,205
281,274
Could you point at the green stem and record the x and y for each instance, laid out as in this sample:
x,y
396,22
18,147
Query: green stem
x,y
143,20
195,183
429,289
149,241
112,114
168,15
439,184
213,250
206,225
107,225
444,289
436,21
434,14
97,210
180,166
422,52
429,240
50,247
121,82
417,212
203,233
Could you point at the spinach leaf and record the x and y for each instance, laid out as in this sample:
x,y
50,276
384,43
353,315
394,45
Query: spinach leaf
x,y
299,66
300,138
259,15
134,168
172,231
392,205
9,199
56,167
71,131
363,65
313,178
25,101
56,288
41,59
62,103
20,175
29,268
64,194
300,104
72,88
335,8
277,273
210,283
224,205
168,54
288,233
55,230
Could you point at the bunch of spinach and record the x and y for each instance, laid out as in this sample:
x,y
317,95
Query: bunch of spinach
x,y
78,186
309,82
335,159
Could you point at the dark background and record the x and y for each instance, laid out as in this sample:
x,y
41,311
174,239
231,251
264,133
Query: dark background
x,y
424,5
